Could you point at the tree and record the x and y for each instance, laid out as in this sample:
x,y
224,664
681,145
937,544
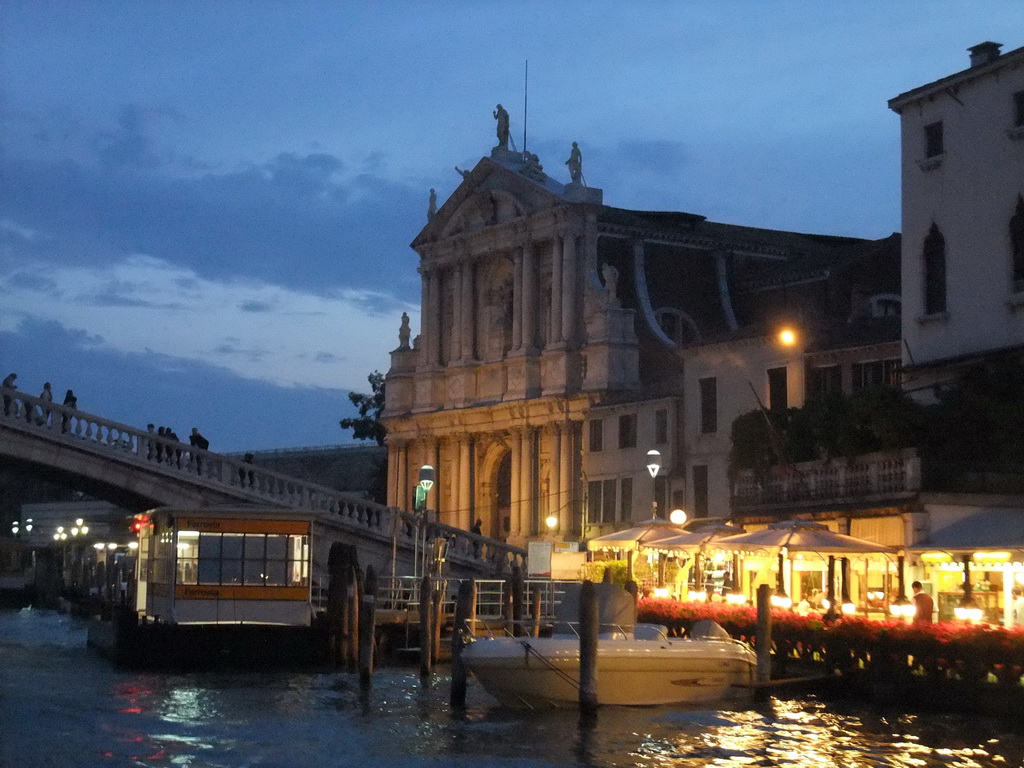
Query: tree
x,y
367,426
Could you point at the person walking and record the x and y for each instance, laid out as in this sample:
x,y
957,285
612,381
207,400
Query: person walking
x,y
1017,607
924,606
196,440
8,383
71,402
47,397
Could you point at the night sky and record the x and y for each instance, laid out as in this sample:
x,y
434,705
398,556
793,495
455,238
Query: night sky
x,y
205,207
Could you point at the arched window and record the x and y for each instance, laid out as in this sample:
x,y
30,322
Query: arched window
x,y
1017,245
934,253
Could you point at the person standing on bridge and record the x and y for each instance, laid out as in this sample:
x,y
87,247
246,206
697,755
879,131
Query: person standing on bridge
x,y
196,440
47,397
8,383
70,401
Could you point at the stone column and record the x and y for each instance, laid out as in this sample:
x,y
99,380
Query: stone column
x,y
555,315
565,480
468,312
455,349
515,491
402,477
464,487
568,285
392,475
529,311
434,318
526,492
517,300
554,499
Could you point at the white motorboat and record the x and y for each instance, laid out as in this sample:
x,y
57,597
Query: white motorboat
x,y
636,665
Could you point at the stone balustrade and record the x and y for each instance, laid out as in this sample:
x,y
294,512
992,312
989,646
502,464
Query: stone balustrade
x,y
247,482
892,474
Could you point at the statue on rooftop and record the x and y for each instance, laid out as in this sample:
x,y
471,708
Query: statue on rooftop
x,y
403,332
432,205
575,163
502,117
611,284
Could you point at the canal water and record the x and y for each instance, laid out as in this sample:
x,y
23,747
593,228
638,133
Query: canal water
x,y
62,705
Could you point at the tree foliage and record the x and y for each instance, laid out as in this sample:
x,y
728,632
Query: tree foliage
x,y
367,426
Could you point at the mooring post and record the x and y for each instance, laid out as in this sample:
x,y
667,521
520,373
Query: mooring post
x,y
537,596
589,624
367,626
352,640
338,590
460,630
436,620
764,633
518,588
426,604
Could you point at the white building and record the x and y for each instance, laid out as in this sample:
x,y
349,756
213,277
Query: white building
x,y
963,214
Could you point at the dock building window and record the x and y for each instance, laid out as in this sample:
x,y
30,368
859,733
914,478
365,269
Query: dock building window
x,y
626,499
255,559
596,436
1018,108
700,490
875,373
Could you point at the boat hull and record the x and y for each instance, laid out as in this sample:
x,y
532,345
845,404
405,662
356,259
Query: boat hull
x,y
532,672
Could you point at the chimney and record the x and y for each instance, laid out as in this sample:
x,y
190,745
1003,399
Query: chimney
x,y
983,53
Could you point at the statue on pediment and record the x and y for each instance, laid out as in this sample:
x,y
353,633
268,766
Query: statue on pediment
x,y
532,167
611,282
432,205
403,332
502,117
575,163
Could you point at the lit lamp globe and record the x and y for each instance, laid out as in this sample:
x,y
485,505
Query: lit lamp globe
x,y
552,521
787,337
677,516
653,462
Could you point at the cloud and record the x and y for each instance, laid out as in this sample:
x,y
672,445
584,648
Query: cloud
x,y
253,329
233,412
305,220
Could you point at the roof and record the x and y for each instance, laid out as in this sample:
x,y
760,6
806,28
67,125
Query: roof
x,y
1009,58
989,528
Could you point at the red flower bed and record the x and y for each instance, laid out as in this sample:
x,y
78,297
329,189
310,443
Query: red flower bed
x,y
948,649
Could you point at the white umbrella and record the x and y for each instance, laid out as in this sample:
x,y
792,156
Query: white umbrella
x,y
631,538
801,536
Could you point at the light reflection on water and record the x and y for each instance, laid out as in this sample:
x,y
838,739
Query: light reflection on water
x,y
61,705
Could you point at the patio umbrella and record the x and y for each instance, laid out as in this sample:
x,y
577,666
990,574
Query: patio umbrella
x,y
802,536
788,537
693,540
631,538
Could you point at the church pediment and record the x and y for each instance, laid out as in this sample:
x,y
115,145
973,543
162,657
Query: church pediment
x,y
489,196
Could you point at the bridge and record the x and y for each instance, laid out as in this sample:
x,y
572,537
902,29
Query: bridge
x,y
139,469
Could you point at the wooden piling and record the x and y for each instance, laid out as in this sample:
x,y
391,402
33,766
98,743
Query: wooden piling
x,y
354,591
589,625
461,628
367,626
339,564
764,633
517,585
436,621
537,595
426,635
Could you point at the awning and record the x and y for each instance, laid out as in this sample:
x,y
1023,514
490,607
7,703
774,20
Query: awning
x,y
991,529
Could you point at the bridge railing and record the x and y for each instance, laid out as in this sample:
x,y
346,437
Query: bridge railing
x,y
248,482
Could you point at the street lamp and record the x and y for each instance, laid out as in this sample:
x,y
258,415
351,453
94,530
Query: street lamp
x,y
426,482
653,465
552,521
677,516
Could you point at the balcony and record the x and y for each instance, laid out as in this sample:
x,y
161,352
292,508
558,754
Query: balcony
x,y
869,478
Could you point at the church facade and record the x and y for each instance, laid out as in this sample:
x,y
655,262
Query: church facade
x,y
562,340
